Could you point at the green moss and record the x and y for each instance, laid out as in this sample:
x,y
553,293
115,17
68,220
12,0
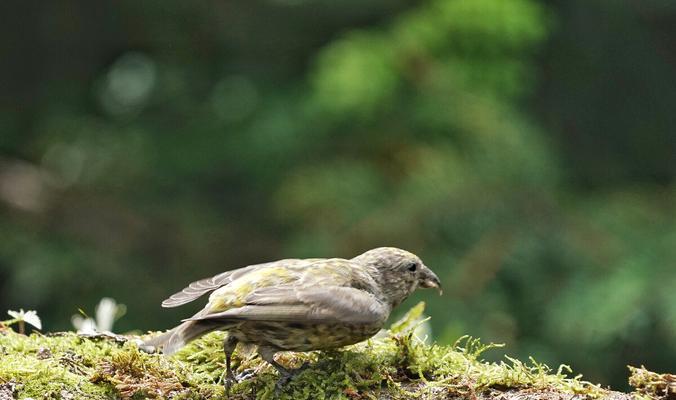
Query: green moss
x,y
52,366
393,365
651,385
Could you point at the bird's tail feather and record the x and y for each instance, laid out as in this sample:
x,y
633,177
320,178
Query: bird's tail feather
x,y
174,339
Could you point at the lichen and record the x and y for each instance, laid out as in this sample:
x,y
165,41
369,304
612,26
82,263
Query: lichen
x,y
396,364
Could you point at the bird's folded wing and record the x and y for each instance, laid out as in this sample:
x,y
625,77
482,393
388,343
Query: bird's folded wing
x,y
204,286
314,304
201,287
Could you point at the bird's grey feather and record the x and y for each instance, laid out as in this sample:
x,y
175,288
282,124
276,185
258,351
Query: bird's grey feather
x,y
199,288
174,339
313,305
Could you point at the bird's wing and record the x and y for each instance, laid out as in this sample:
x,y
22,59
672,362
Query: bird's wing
x,y
204,286
316,304
324,291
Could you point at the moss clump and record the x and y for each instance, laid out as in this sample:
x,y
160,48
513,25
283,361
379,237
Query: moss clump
x,y
133,373
652,385
394,365
46,367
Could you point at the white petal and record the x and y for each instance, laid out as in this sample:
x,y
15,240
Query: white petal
x,y
105,314
31,317
88,326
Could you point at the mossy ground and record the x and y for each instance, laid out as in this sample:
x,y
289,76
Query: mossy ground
x,y
395,365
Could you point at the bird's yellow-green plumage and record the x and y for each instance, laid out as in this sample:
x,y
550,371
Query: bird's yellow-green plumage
x,y
300,305
314,272
234,295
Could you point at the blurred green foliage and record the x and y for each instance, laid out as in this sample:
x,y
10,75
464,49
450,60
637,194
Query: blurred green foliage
x,y
525,150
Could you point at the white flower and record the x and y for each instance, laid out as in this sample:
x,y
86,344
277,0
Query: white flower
x,y
107,312
83,325
30,317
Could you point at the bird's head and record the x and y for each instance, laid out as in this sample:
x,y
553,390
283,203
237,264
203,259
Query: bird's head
x,y
398,272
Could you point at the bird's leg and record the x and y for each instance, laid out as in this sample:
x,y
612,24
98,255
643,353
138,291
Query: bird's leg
x,y
267,354
229,345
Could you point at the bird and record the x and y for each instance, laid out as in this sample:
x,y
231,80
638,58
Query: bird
x,y
298,305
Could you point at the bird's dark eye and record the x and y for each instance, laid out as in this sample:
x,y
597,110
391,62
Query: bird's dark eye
x,y
412,267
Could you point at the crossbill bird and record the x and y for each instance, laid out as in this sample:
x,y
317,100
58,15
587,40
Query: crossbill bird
x,y
299,304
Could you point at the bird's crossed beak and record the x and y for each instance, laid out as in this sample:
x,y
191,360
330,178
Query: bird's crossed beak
x,y
429,279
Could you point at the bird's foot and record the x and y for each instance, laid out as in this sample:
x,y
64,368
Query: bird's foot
x,y
286,375
284,378
228,381
246,374
302,368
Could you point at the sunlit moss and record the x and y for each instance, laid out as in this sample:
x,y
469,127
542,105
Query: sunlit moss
x,y
53,366
651,385
394,365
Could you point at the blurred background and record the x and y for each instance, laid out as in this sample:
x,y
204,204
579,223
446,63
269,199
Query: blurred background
x,y
526,150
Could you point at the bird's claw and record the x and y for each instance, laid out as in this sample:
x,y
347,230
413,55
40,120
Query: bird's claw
x,y
230,378
228,381
283,380
285,376
246,374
